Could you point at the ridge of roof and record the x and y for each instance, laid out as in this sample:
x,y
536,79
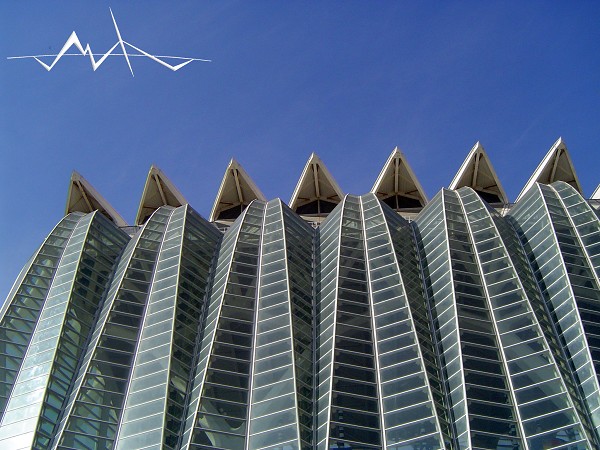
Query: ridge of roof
x,y
158,191
555,166
478,173
84,198
397,178
315,184
237,189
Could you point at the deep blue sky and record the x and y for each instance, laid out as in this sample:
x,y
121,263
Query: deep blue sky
x,y
349,80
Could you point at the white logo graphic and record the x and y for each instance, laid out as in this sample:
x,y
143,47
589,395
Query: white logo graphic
x,y
74,41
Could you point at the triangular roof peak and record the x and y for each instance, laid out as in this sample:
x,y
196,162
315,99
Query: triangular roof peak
x,y
317,193
478,173
397,185
82,197
596,194
556,166
158,191
236,192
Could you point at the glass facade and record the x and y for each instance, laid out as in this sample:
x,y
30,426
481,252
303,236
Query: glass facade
x,y
463,329
63,327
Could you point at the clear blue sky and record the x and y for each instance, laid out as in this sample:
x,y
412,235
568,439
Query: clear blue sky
x,y
349,80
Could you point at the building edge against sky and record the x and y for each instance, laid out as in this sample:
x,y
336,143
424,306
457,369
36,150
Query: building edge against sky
x,y
473,324
317,191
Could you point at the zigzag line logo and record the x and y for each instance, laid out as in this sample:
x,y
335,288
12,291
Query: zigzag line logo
x,y
74,41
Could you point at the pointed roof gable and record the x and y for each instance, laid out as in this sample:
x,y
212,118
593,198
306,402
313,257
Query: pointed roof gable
x,y
158,191
556,166
596,194
236,192
397,184
478,173
82,197
317,192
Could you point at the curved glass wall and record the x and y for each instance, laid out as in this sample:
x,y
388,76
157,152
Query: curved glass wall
x,y
474,368
408,391
158,386
374,390
218,410
53,355
464,329
350,413
92,415
22,308
281,387
560,242
547,410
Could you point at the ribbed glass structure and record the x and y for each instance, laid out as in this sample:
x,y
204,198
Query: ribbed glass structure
x,y
467,327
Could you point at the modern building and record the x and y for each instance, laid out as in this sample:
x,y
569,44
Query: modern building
x,y
381,321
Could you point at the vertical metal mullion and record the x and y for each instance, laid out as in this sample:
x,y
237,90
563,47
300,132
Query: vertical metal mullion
x,y
374,339
255,326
